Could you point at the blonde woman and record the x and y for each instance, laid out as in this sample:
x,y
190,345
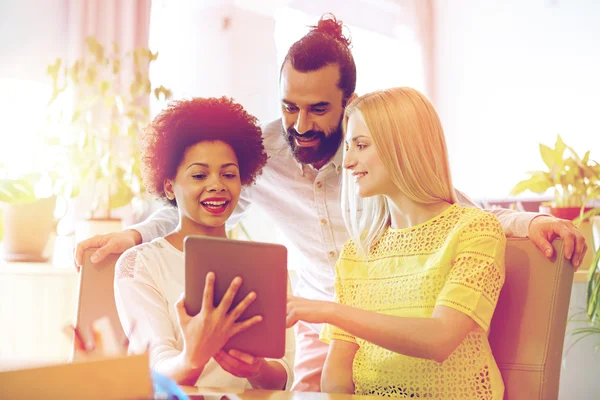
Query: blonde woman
x,y
417,284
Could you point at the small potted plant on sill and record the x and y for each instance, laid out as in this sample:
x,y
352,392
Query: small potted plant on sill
x,y
101,134
575,180
576,184
27,216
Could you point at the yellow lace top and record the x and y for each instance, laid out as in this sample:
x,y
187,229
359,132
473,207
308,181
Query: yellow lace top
x,y
455,259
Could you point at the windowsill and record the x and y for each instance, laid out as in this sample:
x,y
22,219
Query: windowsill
x,y
581,276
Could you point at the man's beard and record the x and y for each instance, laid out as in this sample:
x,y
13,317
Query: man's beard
x,y
325,150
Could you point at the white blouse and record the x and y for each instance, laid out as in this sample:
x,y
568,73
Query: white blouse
x,y
149,279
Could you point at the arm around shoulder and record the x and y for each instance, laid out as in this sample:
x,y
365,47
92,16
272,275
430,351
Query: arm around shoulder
x,y
160,223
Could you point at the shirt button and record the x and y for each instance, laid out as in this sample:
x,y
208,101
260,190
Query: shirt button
x,y
332,254
319,184
324,221
338,168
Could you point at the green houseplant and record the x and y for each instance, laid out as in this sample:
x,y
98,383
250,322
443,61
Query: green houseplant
x,y
591,323
100,133
27,219
575,180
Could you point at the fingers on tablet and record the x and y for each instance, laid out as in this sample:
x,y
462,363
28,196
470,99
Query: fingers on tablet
x,y
230,294
250,322
209,287
242,305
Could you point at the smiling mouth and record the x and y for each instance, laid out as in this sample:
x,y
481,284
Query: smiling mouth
x,y
215,207
303,142
359,175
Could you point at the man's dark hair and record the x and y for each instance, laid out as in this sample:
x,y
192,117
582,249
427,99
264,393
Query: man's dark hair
x,y
325,44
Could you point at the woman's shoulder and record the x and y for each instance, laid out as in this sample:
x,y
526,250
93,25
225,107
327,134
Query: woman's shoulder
x,y
349,248
140,256
477,222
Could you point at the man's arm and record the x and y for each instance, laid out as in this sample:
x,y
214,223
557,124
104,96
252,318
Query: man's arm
x,y
514,223
542,229
158,224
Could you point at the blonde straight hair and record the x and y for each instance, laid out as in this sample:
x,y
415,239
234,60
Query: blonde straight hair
x,y
409,139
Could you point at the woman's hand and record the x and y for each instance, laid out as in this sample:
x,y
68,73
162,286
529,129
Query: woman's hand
x,y
311,311
207,332
240,364
260,373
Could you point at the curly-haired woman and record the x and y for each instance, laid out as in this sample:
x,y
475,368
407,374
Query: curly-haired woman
x,y
197,156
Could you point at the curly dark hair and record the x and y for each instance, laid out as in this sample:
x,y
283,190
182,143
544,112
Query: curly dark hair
x,y
186,122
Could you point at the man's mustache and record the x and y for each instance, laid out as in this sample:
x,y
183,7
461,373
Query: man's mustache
x,y
308,135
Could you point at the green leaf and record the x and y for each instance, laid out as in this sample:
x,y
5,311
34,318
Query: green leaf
x,y
75,116
75,70
121,194
116,67
586,157
538,183
104,86
132,131
559,147
90,75
16,191
53,69
55,93
548,156
586,216
114,129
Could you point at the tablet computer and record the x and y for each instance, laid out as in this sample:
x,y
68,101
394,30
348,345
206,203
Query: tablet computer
x,y
263,269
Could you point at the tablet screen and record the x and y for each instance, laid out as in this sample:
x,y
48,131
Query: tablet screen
x,y
263,269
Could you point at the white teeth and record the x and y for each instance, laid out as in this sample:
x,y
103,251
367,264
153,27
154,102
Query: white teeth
x,y
214,203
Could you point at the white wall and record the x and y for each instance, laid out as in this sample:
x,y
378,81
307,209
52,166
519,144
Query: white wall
x,y
211,48
511,74
32,35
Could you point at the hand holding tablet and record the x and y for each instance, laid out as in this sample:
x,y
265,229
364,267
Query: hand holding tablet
x,y
261,292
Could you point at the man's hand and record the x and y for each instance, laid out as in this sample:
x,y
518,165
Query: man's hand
x,y
311,311
544,229
109,243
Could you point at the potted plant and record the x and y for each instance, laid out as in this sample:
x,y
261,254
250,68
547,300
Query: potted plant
x,y
575,180
100,133
576,184
27,220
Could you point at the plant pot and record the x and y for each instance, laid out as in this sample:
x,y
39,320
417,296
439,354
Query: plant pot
x,y
29,230
92,227
569,213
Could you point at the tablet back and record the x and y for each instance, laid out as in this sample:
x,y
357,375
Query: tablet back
x,y
263,269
